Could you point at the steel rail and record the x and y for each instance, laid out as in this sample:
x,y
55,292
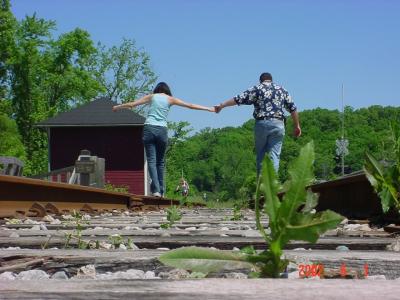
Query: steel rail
x,y
34,197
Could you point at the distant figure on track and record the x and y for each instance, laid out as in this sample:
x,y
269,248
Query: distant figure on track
x,y
183,187
268,99
155,132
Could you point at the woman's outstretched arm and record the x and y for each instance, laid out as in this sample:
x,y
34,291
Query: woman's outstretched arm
x,y
141,101
176,101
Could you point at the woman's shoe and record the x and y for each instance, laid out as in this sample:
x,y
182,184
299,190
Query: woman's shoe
x,y
156,194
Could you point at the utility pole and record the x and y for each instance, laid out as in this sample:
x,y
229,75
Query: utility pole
x,y
342,129
342,144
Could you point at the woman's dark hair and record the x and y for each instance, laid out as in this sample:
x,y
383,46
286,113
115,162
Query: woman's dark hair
x,y
162,87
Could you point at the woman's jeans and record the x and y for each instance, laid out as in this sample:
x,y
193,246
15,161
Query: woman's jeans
x,y
155,139
268,136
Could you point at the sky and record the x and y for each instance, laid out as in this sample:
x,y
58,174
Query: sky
x,y
210,50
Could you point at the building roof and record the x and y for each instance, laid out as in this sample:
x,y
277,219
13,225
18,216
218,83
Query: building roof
x,y
95,113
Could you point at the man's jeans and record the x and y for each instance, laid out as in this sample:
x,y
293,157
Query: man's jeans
x,y
155,139
268,136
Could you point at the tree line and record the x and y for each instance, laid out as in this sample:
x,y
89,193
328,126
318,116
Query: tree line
x,y
43,74
222,161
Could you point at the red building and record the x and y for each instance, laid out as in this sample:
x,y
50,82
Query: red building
x,y
114,136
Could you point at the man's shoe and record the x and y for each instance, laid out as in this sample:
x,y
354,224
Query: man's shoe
x,y
156,194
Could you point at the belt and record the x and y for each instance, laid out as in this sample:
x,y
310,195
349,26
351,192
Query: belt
x,y
269,118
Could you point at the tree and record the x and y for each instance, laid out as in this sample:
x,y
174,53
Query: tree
x,y
47,76
7,32
124,72
10,140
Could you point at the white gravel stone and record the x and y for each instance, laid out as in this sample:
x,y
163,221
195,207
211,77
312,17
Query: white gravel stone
x,y
235,275
98,228
59,275
12,248
165,234
342,248
299,249
235,249
32,275
31,222
88,271
105,245
43,227
163,249
122,247
55,222
48,218
251,233
395,246
190,228
224,228
149,275
175,274
35,227
7,276
223,235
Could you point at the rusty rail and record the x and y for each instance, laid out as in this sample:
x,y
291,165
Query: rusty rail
x,y
353,197
34,197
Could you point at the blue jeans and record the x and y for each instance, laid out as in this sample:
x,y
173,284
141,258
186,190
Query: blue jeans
x,y
268,135
155,140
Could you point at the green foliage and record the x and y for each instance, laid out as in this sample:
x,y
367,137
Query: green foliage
x,y
237,211
10,140
173,215
78,221
286,220
116,188
385,176
123,72
221,162
42,75
204,260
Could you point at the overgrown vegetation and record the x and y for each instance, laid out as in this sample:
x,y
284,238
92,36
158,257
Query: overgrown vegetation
x,y
78,221
116,188
384,175
291,219
173,215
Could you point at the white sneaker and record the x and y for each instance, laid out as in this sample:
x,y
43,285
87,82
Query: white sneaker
x,y
156,194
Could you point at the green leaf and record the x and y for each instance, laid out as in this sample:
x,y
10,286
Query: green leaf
x,y
204,260
269,187
310,226
311,201
301,175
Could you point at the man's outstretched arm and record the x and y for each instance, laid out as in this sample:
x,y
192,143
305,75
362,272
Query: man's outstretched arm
x,y
224,104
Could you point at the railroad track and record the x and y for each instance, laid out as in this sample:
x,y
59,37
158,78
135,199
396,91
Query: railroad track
x,y
20,196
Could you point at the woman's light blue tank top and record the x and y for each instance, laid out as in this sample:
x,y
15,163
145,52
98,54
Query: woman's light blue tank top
x,y
158,112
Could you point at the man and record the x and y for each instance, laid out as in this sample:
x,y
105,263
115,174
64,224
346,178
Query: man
x,y
268,99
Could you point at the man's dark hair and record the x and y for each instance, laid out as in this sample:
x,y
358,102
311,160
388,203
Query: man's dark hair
x,y
265,76
162,87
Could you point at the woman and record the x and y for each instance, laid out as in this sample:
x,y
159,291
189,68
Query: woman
x,y
155,132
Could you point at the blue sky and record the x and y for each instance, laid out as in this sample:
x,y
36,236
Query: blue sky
x,y
210,50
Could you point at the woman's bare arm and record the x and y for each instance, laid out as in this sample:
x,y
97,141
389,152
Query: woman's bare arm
x,y
141,101
179,102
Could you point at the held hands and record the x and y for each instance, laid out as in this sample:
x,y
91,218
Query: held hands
x,y
218,108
